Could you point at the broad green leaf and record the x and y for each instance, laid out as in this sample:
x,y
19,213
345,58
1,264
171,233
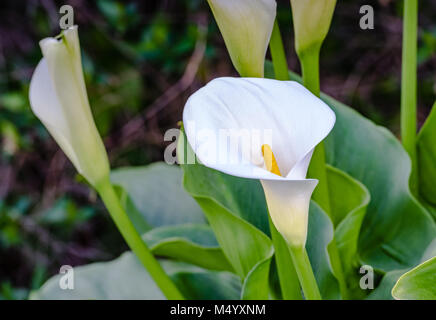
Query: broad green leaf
x,y
427,159
256,283
319,237
418,283
199,284
384,288
396,228
242,243
349,200
125,278
236,211
163,203
192,243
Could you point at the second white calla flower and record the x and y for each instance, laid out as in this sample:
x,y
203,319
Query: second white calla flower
x,y
58,98
282,117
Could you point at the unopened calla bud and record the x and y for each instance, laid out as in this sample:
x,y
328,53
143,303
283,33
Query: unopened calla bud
x,y
58,98
311,22
246,26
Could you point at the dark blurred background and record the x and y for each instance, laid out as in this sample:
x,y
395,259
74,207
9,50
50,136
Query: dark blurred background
x,y
142,59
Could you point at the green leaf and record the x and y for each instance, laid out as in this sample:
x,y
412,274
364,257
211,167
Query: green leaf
x,y
242,243
396,228
256,283
319,238
192,243
125,278
349,200
384,289
163,203
418,283
236,211
426,148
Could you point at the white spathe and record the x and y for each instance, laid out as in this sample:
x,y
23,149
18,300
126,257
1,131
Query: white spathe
x,y
295,122
58,98
246,26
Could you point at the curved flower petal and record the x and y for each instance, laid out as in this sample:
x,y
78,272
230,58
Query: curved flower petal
x,y
58,98
254,112
246,26
288,205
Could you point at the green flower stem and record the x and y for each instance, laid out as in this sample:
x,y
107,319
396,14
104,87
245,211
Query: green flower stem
x,y
305,273
135,242
408,86
309,60
310,69
317,169
287,275
278,55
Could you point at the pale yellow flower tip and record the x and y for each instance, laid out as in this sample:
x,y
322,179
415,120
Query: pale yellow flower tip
x,y
311,22
246,26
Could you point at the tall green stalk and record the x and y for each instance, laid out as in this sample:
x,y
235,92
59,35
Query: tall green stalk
x,y
309,60
135,242
278,55
305,273
408,86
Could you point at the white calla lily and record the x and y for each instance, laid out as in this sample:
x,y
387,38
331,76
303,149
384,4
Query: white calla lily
x,y
58,98
246,27
295,120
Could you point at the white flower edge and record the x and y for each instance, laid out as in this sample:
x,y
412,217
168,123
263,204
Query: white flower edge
x,y
298,121
58,98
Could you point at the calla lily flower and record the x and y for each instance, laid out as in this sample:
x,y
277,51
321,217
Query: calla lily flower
x,y
296,121
58,98
246,26
311,22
